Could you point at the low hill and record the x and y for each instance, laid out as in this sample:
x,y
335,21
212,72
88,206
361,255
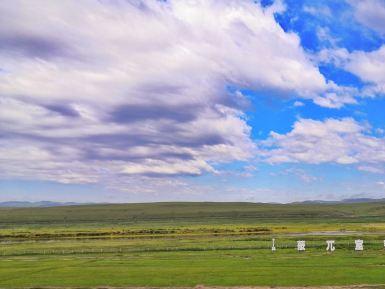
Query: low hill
x,y
192,212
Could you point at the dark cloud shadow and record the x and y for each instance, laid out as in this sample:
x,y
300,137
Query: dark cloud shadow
x,y
140,112
34,46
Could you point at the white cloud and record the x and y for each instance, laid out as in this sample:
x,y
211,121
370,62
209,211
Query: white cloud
x,y
301,174
371,13
381,184
166,168
342,141
372,169
334,100
298,103
368,66
318,10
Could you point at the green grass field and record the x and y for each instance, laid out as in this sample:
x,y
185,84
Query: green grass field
x,y
185,244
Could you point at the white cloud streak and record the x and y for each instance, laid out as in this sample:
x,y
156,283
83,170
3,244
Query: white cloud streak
x,y
340,141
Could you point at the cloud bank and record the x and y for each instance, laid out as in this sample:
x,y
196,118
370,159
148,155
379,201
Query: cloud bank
x,y
134,94
92,91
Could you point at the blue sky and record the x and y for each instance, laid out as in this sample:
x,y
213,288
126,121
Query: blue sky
x,y
140,101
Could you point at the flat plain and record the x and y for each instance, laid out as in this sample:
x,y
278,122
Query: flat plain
x,y
187,244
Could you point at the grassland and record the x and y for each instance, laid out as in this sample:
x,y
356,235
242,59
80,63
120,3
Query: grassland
x,y
185,244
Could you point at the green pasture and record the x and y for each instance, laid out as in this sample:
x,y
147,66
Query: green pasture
x,y
189,268
172,244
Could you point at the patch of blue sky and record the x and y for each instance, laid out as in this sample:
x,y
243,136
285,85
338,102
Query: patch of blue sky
x,y
38,190
266,3
340,76
267,111
327,24
269,114
371,110
289,181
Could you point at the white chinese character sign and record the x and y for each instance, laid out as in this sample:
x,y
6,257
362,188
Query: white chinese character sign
x,y
330,246
359,245
301,245
273,246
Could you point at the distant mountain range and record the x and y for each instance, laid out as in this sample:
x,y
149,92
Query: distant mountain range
x,y
344,201
44,204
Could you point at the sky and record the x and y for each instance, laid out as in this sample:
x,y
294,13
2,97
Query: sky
x,y
198,100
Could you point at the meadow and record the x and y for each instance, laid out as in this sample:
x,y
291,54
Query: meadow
x,y
185,244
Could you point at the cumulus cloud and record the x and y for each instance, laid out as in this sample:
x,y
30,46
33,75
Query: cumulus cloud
x,y
341,141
